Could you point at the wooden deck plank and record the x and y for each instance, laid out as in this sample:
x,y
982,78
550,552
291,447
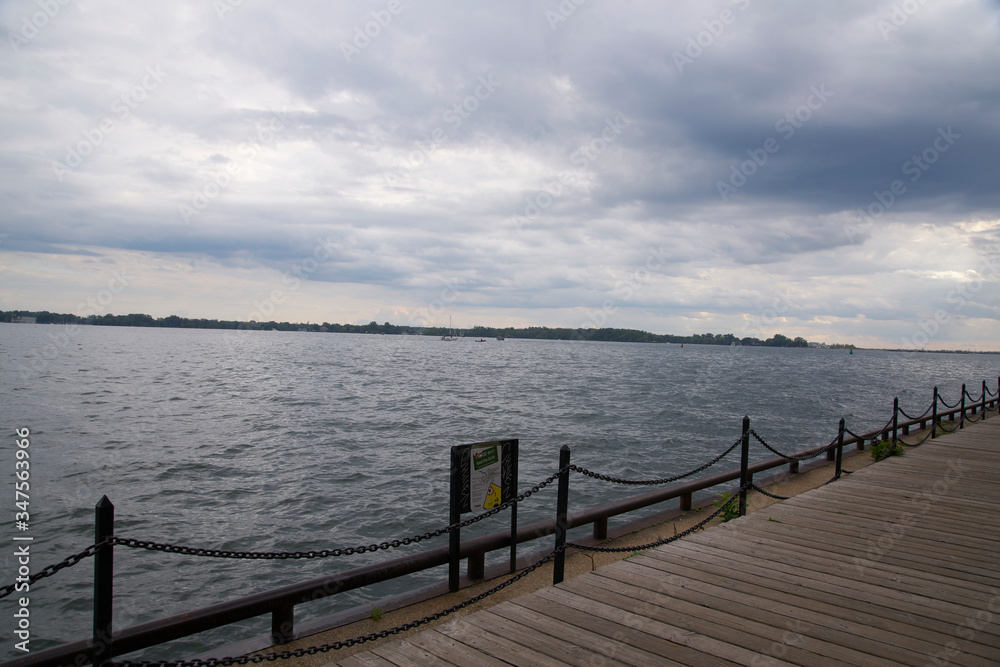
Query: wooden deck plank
x,y
496,646
762,561
799,538
526,635
762,625
403,653
609,640
366,659
894,564
667,642
455,653
857,598
606,606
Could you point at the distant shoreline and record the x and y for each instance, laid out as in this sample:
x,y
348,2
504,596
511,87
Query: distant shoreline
x,y
547,333
610,335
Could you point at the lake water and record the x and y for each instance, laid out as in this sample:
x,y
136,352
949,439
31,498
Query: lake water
x,y
305,441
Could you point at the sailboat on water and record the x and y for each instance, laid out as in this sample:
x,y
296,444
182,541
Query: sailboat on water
x,y
451,332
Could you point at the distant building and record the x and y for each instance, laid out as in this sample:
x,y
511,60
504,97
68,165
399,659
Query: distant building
x,y
24,319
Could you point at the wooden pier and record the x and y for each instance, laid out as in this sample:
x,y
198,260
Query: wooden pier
x,y
896,564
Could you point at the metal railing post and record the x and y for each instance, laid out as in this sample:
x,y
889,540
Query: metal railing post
x,y
840,448
961,415
982,410
283,625
562,510
454,516
895,422
934,419
104,573
744,465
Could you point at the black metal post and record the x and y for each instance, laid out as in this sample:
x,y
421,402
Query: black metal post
x,y
283,625
513,511
104,573
454,516
982,410
562,510
744,465
934,415
961,415
840,448
895,422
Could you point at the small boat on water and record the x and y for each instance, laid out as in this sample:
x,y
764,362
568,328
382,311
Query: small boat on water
x,y
451,332
501,338
481,340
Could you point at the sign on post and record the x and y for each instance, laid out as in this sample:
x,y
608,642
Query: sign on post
x,y
483,476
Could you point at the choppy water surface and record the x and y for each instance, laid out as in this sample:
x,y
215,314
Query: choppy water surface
x,y
301,441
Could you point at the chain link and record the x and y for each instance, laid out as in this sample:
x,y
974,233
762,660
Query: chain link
x,y
328,553
790,457
950,407
52,569
663,480
972,419
276,555
659,543
945,428
767,493
324,648
927,436
926,412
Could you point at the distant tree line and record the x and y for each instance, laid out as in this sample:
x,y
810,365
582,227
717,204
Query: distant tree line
x,y
549,333
634,336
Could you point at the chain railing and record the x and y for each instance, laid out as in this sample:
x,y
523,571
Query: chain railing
x,y
354,641
792,457
918,418
100,649
70,561
329,553
661,480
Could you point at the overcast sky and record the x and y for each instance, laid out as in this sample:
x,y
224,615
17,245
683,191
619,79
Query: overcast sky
x,y
826,169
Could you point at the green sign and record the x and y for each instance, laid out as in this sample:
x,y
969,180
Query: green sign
x,y
485,456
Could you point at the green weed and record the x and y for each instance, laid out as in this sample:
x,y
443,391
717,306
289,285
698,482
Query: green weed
x,y
882,449
732,511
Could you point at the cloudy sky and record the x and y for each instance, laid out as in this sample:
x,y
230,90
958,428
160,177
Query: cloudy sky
x,y
826,169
